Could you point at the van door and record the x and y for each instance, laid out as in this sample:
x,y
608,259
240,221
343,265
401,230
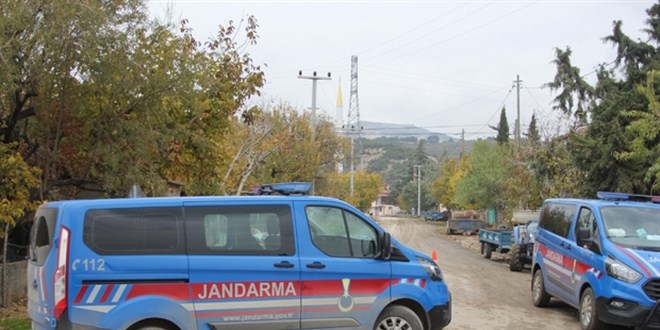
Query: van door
x,y
585,257
344,285
41,266
555,247
244,270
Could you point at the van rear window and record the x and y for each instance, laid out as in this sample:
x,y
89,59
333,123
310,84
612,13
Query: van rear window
x,y
134,231
41,237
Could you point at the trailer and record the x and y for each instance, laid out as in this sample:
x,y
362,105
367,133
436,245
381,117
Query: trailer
x,y
494,240
464,226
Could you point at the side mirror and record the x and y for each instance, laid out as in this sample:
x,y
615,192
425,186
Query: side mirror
x,y
385,241
584,240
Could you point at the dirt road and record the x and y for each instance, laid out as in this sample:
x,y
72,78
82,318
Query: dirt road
x,y
486,295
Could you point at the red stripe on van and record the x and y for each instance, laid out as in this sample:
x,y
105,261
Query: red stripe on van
x,y
176,291
81,294
336,287
108,289
631,256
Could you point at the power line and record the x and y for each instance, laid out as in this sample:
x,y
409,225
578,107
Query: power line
x,y
449,24
458,35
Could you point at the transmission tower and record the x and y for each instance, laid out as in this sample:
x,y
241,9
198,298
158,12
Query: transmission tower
x,y
353,126
353,123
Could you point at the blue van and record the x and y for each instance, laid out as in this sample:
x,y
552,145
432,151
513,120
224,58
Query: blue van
x,y
602,257
240,262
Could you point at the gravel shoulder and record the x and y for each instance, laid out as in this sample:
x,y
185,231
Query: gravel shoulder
x,y
486,294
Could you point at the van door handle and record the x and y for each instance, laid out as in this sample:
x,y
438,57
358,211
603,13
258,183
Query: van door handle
x,y
316,265
283,264
34,284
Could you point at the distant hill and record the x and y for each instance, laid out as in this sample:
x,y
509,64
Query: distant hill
x,y
374,130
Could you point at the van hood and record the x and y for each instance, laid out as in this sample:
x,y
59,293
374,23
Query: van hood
x,y
646,261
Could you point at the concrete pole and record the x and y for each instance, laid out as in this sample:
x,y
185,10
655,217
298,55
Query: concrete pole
x,y
352,166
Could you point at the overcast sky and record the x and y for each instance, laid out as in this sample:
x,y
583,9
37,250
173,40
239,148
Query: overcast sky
x,y
441,65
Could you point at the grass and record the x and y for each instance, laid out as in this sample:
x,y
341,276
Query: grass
x,y
15,323
14,317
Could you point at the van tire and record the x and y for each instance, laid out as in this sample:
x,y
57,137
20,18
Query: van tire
x,y
398,317
486,250
540,297
516,260
587,314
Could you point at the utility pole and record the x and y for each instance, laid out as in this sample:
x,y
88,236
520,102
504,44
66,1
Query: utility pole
x,y
518,81
462,142
419,188
314,79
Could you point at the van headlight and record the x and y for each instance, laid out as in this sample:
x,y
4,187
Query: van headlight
x,y
431,268
621,271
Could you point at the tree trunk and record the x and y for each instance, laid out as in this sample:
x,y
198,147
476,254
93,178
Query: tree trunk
x,y
4,266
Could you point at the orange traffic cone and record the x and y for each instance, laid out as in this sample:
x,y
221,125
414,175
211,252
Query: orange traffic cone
x,y
434,255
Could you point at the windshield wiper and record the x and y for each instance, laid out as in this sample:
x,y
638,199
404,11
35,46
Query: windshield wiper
x,y
649,248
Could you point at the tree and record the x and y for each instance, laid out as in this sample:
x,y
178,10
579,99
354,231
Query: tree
x,y
444,186
575,93
152,102
366,188
600,140
533,135
645,132
17,178
554,170
484,184
502,128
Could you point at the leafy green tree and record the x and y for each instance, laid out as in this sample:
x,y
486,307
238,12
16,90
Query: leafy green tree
x,y
484,184
554,170
151,102
645,130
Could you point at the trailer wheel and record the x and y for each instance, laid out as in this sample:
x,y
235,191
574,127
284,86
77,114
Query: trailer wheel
x,y
540,297
398,317
516,261
486,250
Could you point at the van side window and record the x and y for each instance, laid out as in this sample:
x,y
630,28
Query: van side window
x,y
242,230
339,233
587,220
557,218
134,231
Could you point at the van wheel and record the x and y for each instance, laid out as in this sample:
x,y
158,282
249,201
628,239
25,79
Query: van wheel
x,y
516,262
153,325
540,297
486,250
587,315
398,318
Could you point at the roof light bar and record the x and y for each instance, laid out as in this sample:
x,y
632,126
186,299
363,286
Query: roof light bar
x,y
285,188
627,197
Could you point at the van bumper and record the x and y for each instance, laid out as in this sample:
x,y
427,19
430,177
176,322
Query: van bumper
x,y
631,314
440,315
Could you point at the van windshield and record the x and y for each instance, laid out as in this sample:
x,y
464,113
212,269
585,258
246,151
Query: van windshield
x,y
633,226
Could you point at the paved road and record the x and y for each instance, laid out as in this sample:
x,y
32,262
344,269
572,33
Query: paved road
x,y
487,295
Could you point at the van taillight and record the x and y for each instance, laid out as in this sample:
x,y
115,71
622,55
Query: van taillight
x,y
60,277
